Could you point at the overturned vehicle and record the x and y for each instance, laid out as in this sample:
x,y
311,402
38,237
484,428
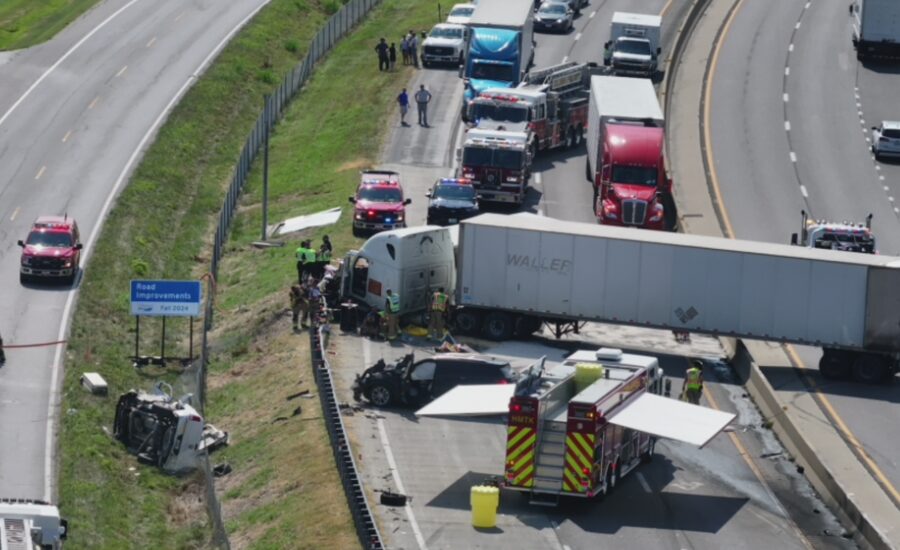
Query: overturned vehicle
x,y
165,432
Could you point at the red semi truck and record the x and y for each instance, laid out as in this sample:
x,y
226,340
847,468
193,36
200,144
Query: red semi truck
x,y
625,161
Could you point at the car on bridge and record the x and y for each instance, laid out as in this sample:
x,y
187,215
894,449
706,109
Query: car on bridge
x,y
51,251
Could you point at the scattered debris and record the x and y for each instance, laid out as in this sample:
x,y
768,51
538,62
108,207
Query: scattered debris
x,y
771,455
393,499
220,470
291,225
800,469
94,383
298,394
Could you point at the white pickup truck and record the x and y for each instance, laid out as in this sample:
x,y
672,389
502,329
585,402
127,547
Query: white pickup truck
x,y
446,43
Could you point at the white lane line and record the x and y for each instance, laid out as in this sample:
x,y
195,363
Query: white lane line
x,y
593,13
797,26
61,59
877,167
538,178
152,40
803,191
66,137
389,455
806,7
643,482
88,247
180,15
881,178
787,71
896,210
791,47
40,172
786,97
787,125
15,213
121,71
577,36
565,58
886,188
891,199
793,156
94,102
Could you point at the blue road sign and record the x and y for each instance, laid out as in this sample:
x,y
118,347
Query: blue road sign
x,y
165,298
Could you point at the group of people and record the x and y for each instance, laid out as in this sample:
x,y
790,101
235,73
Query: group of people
x,y
311,262
315,278
409,51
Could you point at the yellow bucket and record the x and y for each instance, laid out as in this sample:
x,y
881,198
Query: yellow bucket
x,y
586,374
485,501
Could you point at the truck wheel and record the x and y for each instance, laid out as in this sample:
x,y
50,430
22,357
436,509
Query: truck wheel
x,y
468,322
498,326
869,368
380,395
835,364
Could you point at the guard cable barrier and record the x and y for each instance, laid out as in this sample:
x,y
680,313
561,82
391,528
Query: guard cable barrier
x,y
337,26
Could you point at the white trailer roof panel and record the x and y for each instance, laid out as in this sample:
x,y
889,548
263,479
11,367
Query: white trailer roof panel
x,y
501,13
471,400
625,98
672,419
626,18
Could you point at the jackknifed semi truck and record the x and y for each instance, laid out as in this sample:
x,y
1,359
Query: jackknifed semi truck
x,y
511,274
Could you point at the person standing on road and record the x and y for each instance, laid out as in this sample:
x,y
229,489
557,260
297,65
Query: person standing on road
x,y
438,310
423,96
404,49
413,43
403,102
693,382
392,310
382,50
392,56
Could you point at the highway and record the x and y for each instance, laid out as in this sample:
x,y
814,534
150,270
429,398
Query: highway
x,y
742,503
790,111
75,114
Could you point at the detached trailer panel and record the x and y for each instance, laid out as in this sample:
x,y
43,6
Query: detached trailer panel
x,y
565,270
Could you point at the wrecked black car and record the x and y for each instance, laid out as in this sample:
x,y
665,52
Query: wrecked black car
x,y
411,382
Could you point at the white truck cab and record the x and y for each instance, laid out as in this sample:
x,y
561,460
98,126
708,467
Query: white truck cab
x,y
633,47
31,525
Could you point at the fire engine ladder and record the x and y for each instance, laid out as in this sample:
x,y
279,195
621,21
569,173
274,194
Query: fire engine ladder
x,y
550,462
562,78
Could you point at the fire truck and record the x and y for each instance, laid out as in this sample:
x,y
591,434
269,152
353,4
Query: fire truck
x,y
577,430
497,159
31,524
553,102
844,236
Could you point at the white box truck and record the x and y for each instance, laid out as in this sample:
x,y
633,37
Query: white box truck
x,y
31,525
876,28
634,46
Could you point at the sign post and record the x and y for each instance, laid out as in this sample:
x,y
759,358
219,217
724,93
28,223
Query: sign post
x,y
164,298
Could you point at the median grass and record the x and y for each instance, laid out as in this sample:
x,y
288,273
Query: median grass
x,y
24,23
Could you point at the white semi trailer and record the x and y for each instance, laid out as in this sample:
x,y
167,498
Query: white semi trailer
x,y
876,28
514,273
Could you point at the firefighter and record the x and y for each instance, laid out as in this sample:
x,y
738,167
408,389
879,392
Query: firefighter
x,y
392,311
438,310
299,306
306,258
693,382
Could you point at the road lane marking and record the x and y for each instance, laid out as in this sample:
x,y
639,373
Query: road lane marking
x,y
180,15
643,482
59,61
121,71
40,172
665,8
803,191
791,47
88,247
94,102
577,36
593,13
565,58
15,213
797,26
66,137
538,178
787,71
152,41
793,156
787,125
786,97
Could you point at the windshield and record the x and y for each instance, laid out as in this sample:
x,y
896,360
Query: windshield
x,y
495,158
456,192
636,47
462,11
634,175
492,71
505,113
552,9
49,239
445,32
380,194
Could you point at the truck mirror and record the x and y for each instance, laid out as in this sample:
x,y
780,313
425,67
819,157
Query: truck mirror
x,y
63,529
22,244
407,201
79,246
352,200
794,239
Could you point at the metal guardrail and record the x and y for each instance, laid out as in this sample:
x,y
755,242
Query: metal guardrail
x,y
366,528
337,26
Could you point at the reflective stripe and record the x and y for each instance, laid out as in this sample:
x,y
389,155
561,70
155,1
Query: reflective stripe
x,y
395,302
438,301
579,457
520,455
693,379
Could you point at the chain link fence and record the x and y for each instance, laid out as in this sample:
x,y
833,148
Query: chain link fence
x,y
337,26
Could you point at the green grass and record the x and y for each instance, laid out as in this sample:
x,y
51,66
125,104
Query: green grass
x,y
24,23
284,487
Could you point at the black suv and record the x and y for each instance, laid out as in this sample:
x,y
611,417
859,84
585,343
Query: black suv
x,y
411,382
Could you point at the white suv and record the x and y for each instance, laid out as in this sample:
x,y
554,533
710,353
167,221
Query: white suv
x,y
886,139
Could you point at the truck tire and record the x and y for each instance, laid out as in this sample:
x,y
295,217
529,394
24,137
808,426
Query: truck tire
x,y
870,368
498,326
835,364
468,322
380,395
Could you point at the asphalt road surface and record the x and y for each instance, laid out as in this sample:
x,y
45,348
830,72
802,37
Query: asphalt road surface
x,y
75,114
790,116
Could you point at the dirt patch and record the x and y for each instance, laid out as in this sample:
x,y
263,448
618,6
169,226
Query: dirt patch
x,y
188,507
355,164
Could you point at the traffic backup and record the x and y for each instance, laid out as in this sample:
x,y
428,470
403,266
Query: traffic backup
x,y
51,251
378,203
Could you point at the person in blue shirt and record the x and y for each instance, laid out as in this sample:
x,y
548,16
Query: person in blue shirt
x,y
403,102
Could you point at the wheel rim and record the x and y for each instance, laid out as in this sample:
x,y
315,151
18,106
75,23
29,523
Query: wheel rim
x,y
380,396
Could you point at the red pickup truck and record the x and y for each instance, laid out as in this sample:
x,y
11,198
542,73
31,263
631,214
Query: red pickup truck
x,y
378,204
52,250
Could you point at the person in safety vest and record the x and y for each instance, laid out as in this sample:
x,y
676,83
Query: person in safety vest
x,y
306,259
438,308
693,383
392,310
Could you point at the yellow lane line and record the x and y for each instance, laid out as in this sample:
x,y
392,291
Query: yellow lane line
x,y
663,11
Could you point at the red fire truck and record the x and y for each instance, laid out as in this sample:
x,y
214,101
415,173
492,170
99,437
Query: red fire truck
x,y
552,101
577,430
497,161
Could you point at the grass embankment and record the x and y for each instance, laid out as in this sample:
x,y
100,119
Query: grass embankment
x,y
24,23
161,228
